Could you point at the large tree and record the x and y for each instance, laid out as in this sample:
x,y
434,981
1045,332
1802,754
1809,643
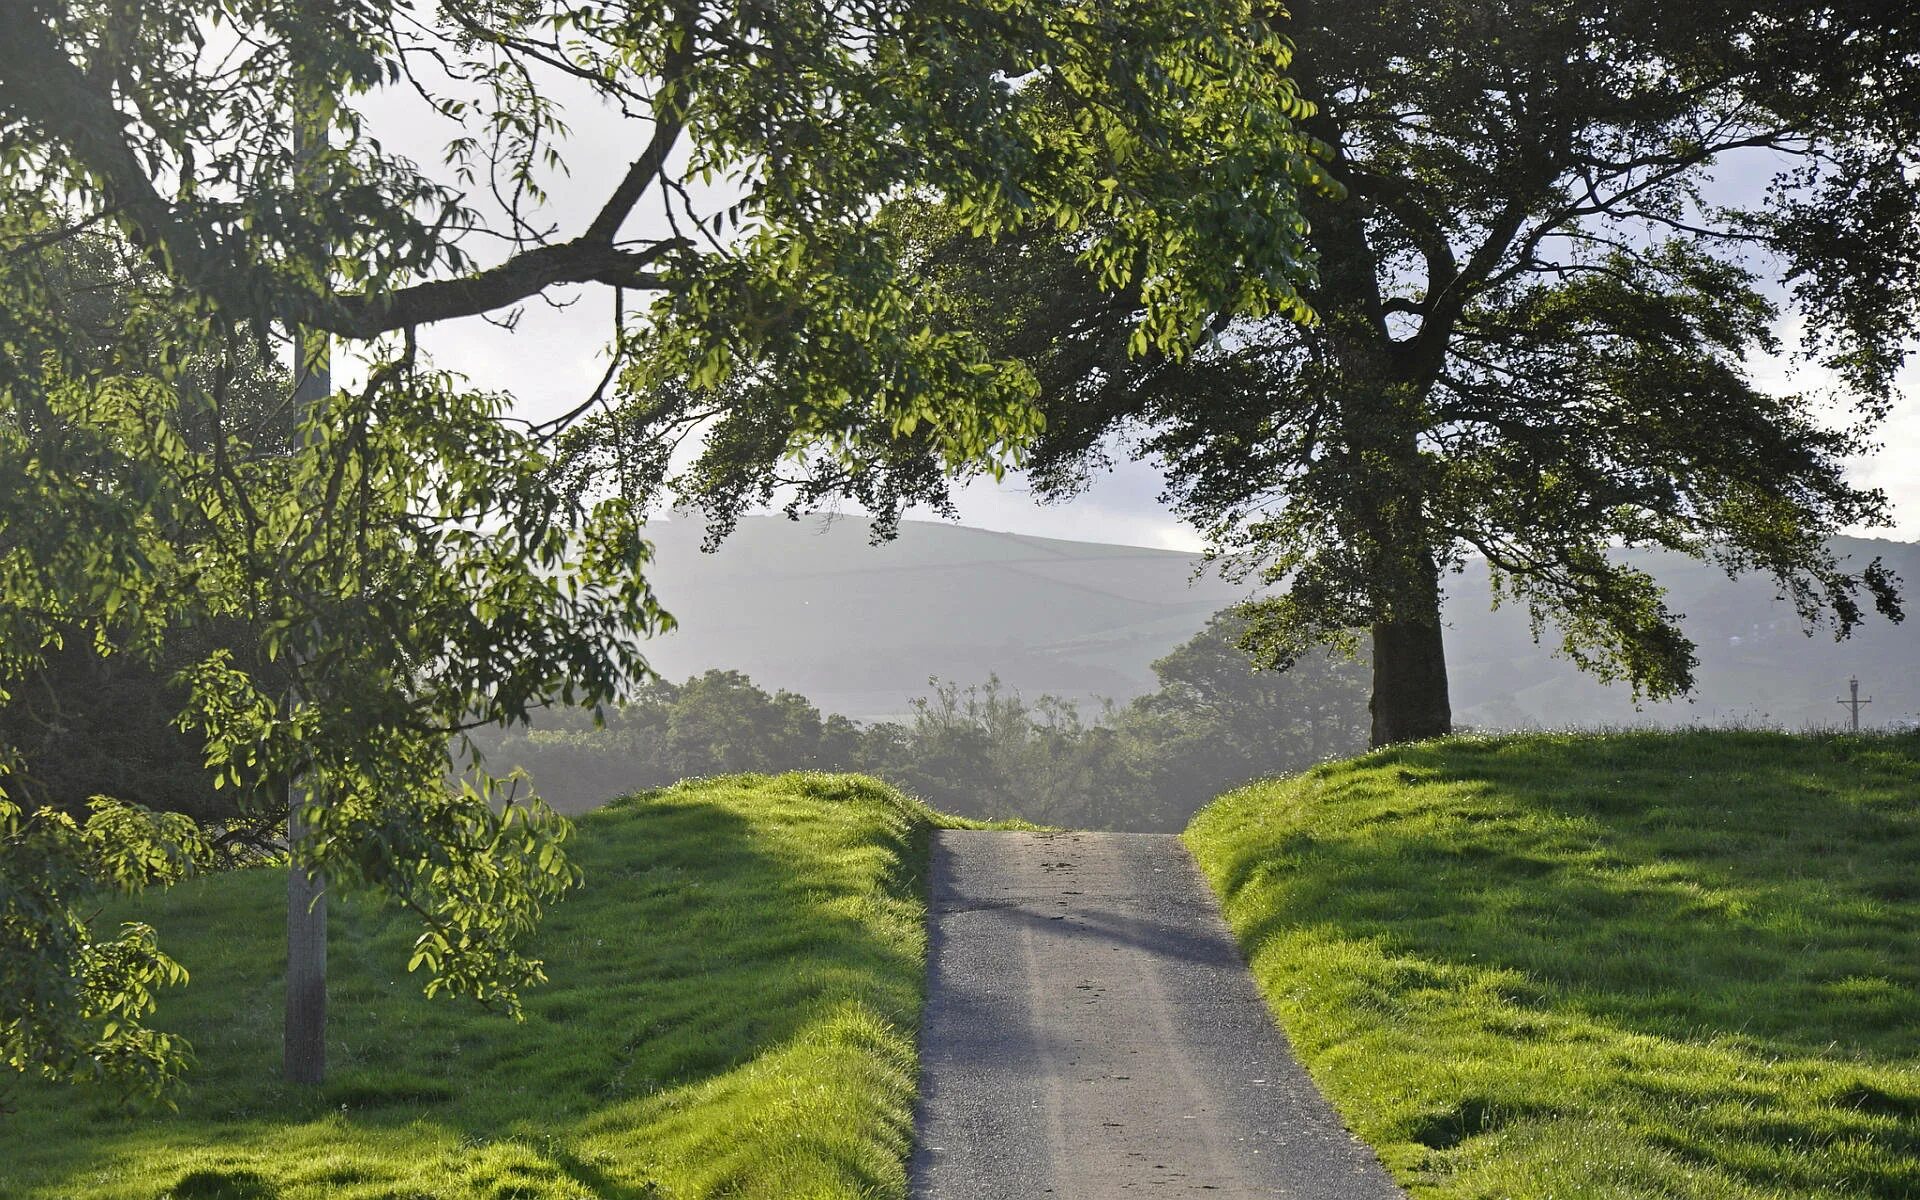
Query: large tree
x,y
418,560
1570,232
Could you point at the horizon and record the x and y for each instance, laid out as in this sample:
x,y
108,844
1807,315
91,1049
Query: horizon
x,y
962,523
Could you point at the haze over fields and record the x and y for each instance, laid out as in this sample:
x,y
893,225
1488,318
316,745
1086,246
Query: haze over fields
x,y
812,607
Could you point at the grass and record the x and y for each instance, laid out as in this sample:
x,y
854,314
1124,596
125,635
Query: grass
x,y
733,1001
1596,967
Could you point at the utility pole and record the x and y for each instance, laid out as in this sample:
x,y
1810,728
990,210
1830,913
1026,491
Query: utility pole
x,y
305,1043
1853,702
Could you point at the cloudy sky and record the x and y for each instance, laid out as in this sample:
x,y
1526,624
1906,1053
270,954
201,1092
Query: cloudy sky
x,y
555,355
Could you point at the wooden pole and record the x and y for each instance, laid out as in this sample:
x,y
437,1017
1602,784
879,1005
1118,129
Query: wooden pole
x,y
306,1029
305,1043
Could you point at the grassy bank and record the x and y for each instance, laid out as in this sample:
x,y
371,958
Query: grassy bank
x,y
731,1011
1585,968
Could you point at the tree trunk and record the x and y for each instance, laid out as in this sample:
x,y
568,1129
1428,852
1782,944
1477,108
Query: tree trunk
x,y
1410,665
1380,385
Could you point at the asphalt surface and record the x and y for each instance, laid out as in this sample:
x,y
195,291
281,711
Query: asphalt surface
x,y
1091,1033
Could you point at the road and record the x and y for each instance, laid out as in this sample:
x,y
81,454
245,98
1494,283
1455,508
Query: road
x,y
1091,1033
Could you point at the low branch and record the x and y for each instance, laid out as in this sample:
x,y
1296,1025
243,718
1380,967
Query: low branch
x,y
583,260
41,85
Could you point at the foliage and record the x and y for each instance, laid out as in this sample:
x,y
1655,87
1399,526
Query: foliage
x,y
1219,720
401,561
87,724
83,720
414,561
1627,966
713,724
1214,723
1541,308
733,999
74,999
1078,117
989,751
982,750
1158,138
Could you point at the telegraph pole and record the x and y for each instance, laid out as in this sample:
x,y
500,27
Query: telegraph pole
x,y
305,1043
1853,702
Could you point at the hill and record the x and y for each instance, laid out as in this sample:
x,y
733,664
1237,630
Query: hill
x,y
1633,967
1758,664
739,943
857,628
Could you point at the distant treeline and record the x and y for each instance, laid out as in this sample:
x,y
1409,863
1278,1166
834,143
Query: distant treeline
x,y
89,725
979,750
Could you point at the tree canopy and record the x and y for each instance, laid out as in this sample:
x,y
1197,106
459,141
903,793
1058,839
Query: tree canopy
x,y
1154,128
1569,233
415,559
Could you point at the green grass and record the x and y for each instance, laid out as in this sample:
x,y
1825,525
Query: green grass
x,y
733,1001
1595,967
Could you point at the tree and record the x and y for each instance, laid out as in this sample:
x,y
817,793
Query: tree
x,y
417,561
717,722
1539,307
89,724
723,723
1217,721
964,750
413,552
814,112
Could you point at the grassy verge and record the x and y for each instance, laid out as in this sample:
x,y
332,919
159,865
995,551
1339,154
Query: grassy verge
x,y
1599,967
731,1011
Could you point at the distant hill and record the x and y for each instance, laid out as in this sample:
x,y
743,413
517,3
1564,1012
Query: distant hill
x,y
857,628
1758,664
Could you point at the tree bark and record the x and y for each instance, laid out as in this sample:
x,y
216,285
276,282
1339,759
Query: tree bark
x,y
1410,699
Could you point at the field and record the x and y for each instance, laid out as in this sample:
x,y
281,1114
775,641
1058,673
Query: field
x,y
732,1008
1597,967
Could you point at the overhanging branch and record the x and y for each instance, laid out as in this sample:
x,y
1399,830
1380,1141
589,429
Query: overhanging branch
x,y
583,260
40,85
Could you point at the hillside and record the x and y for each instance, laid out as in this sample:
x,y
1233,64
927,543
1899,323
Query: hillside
x,y
858,628
1632,967
1758,665
739,942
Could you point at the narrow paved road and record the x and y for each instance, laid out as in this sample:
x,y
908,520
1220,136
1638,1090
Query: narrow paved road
x,y
1092,1034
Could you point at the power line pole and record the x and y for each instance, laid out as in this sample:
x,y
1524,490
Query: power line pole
x,y
305,1045
1853,702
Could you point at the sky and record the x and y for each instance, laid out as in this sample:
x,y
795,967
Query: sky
x,y
555,355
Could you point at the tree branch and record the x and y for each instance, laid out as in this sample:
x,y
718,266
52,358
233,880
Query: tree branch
x,y
526,274
40,84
